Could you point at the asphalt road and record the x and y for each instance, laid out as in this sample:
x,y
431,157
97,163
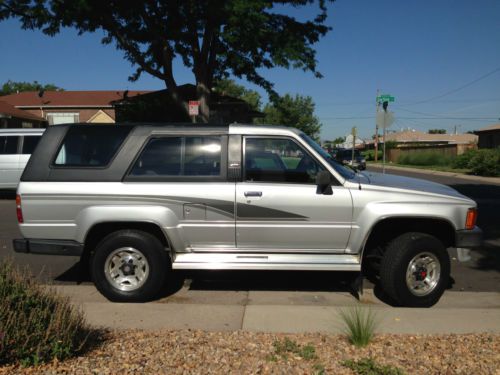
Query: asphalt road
x,y
480,274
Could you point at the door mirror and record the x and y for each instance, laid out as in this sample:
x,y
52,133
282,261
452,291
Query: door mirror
x,y
324,183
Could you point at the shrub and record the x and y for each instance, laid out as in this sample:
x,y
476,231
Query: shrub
x,y
485,163
359,325
370,155
462,161
36,324
367,366
424,158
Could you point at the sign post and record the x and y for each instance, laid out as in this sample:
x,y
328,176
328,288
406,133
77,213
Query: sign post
x,y
194,107
384,119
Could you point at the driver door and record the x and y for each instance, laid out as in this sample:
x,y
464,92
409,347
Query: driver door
x,y
277,206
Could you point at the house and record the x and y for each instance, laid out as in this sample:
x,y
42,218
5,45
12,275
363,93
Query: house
x,y
159,106
57,107
489,137
11,117
412,142
417,138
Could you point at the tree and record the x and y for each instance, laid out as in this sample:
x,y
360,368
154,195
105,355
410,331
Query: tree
x,y
297,112
437,131
230,88
11,87
214,38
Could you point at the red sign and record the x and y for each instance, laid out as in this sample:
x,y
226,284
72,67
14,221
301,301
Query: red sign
x,y
194,106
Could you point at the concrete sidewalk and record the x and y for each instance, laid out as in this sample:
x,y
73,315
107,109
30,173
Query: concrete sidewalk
x,y
287,312
389,167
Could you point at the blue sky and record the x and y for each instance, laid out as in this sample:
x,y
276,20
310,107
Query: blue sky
x,y
414,50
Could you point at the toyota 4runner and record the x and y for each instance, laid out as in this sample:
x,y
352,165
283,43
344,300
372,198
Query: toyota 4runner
x,y
138,202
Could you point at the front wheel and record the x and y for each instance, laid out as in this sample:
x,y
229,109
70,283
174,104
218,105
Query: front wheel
x,y
129,266
415,270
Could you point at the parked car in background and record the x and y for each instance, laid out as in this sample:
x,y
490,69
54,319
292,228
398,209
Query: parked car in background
x,y
344,156
16,147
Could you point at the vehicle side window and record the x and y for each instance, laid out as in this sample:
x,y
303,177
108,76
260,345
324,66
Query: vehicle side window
x,y
90,147
278,160
29,144
8,145
180,156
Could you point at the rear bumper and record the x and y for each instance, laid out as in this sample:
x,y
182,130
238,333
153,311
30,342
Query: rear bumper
x,y
48,247
469,239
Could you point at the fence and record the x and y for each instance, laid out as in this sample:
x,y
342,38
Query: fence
x,y
448,150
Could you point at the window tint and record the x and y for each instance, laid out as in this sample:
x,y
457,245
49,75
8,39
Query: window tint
x,y
278,160
8,145
91,146
180,156
29,143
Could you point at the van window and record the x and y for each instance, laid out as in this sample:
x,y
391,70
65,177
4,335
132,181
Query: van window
x,y
29,144
180,156
8,145
89,146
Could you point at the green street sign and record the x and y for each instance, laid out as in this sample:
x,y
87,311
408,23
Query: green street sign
x,y
385,98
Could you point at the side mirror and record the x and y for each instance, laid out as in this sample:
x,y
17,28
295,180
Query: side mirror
x,y
324,183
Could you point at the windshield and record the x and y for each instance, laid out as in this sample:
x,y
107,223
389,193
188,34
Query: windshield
x,y
343,171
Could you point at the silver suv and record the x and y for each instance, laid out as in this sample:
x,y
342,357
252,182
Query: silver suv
x,y
141,201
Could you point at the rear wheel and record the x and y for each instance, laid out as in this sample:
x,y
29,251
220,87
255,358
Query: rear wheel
x,y
129,266
415,270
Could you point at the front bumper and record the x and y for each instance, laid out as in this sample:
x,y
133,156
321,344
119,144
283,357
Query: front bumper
x,y
469,239
48,247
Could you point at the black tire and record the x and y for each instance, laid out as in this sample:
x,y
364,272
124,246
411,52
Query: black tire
x,y
395,264
155,260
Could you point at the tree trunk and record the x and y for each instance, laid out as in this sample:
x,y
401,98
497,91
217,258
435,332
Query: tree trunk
x,y
203,93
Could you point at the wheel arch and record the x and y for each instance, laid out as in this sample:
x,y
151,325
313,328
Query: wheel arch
x,y
389,228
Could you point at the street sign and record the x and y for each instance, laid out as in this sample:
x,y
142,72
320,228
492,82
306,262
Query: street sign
x,y
385,98
194,106
385,119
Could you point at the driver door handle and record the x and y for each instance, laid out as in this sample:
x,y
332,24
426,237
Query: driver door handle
x,y
253,193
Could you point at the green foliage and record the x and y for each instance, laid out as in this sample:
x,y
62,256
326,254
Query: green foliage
x,y
427,158
230,88
437,131
367,366
370,155
359,325
287,346
294,111
11,87
484,162
214,38
36,325
389,145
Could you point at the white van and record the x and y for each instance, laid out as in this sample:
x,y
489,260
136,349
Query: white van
x,y
16,147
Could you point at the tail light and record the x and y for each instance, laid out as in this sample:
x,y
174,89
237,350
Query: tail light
x,y
470,220
19,210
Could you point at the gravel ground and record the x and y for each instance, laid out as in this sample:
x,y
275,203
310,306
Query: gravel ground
x,y
200,352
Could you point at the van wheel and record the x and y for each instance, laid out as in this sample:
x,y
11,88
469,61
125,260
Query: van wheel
x,y
415,270
129,266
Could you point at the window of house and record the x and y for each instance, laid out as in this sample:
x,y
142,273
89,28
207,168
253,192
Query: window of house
x,y
278,160
55,118
8,145
29,143
88,146
180,156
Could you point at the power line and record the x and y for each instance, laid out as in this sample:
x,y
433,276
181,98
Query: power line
x,y
458,88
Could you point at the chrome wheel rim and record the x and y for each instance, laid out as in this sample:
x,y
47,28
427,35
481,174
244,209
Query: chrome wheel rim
x,y
126,269
423,273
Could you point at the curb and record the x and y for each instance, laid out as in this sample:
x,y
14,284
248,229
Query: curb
x,y
490,180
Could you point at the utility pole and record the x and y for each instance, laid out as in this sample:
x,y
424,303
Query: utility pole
x,y
354,132
376,125
384,105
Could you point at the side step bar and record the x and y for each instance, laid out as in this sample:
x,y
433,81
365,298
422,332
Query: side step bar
x,y
246,261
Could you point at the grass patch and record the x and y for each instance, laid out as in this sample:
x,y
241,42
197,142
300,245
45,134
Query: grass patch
x,y
37,325
367,366
360,324
287,346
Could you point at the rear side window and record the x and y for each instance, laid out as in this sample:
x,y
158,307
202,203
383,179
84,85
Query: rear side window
x,y
8,145
29,144
180,156
90,146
